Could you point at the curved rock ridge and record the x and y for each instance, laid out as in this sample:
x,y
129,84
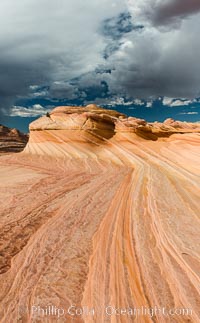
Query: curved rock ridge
x,y
100,221
90,117
62,130
11,140
155,130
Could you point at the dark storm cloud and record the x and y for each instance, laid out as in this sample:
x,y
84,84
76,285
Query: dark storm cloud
x,y
159,61
173,10
61,90
159,65
45,43
16,78
114,29
97,50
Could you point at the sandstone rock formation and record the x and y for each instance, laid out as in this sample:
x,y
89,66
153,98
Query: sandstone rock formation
x,y
101,210
11,140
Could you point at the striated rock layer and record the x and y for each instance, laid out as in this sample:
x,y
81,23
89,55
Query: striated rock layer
x,y
11,140
101,211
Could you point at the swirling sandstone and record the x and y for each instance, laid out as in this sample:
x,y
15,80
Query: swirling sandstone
x,y
99,210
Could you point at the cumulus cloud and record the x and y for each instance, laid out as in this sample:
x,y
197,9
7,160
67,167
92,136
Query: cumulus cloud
x,y
170,102
120,101
149,104
138,102
33,111
111,102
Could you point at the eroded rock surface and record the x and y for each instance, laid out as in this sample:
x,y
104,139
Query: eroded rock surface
x,y
101,210
11,140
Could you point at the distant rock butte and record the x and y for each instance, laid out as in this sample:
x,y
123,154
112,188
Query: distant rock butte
x,y
11,140
99,210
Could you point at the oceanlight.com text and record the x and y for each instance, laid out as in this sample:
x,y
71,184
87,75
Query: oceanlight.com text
x,y
74,311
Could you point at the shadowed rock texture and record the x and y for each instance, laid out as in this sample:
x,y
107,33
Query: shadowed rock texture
x,y
101,210
11,140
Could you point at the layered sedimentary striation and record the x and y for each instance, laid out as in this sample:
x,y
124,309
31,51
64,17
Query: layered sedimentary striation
x,y
101,210
11,140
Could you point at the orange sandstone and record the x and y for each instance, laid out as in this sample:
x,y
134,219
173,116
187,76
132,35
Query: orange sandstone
x,y
101,210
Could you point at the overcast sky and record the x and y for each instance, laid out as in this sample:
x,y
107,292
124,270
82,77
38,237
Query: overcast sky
x,y
119,53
